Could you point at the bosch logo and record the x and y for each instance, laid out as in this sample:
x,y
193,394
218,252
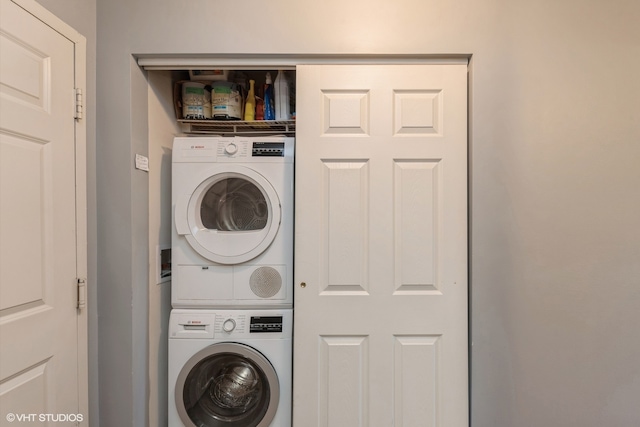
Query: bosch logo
x,y
197,146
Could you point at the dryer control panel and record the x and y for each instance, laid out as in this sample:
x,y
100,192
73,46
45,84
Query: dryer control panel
x,y
245,149
268,149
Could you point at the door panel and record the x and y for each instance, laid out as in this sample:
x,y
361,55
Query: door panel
x,y
343,383
381,246
38,252
415,201
345,243
416,369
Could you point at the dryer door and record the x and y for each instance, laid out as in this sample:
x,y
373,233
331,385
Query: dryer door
x,y
231,215
227,385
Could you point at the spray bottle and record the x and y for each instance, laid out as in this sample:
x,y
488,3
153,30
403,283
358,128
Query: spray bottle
x,y
269,104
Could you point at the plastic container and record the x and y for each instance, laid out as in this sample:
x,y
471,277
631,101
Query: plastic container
x,y
209,75
207,102
259,108
269,104
193,101
226,101
250,104
281,92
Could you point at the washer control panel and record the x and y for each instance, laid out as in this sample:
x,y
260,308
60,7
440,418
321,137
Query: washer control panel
x,y
235,324
265,324
230,324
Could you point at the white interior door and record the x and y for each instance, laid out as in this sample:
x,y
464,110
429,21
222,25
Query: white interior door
x,y
41,222
381,246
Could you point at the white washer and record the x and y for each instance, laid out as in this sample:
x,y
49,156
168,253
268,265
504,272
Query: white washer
x,y
232,240
230,368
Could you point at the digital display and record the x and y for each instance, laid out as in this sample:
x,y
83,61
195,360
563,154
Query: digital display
x,y
268,149
265,324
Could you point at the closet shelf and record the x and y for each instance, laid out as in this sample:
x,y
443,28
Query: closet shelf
x,y
239,128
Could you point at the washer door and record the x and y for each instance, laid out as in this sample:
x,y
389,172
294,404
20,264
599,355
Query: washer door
x,y
227,385
231,216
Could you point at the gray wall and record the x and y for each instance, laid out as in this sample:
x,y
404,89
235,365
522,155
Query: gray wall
x,y
555,201
81,15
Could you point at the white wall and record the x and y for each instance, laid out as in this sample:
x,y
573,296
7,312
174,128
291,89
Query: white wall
x,y
555,205
161,135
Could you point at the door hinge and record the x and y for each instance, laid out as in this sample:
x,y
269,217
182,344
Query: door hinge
x,y
82,293
79,107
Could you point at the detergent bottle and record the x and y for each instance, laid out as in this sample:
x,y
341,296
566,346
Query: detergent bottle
x,y
269,104
281,89
250,104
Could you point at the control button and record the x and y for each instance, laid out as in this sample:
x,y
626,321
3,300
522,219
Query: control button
x,y
231,149
228,325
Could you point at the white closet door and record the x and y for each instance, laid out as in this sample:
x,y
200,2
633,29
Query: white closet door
x,y
381,246
43,357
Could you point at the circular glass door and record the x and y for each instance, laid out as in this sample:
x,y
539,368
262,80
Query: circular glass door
x,y
232,215
227,385
234,204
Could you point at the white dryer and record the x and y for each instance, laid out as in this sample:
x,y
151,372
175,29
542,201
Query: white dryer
x,y
232,240
230,368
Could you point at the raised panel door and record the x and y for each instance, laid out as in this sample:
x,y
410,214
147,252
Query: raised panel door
x,y
381,246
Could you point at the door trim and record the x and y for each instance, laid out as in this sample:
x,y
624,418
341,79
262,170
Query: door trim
x,y
259,61
80,69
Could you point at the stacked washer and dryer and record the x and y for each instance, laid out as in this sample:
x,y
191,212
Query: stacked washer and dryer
x,y
230,329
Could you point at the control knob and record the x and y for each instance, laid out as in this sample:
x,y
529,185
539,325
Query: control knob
x,y
228,325
231,148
